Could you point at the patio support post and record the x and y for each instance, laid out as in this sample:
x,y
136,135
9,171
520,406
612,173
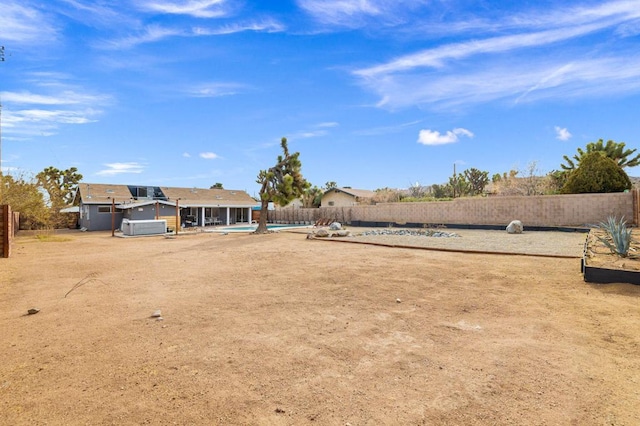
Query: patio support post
x,y
113,217
177,215
202,216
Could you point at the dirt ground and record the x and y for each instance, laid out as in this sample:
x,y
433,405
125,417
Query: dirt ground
x,y
599,255
281,330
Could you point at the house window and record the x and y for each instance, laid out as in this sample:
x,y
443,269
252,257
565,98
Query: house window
x,y
331,203
104,209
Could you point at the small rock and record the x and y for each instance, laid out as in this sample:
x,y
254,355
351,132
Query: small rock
x,y
398,301
279,411
159,319
515,227
322,233
335,226
157,314
33,311
343,233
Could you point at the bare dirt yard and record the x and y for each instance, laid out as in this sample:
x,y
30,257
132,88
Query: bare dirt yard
x,y
281,330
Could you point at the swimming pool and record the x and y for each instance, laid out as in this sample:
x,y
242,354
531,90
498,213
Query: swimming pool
x,y
253,227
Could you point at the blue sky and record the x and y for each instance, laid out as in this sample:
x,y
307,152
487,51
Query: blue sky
x,y
373,93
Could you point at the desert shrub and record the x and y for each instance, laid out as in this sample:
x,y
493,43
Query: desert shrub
x,y
596,173
618,238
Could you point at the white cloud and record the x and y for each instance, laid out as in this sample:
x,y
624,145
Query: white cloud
x,y
562,133
433,137
358,13
65,97
57,103
513,66
195,8
269,26
149,34
209,155
121,168
215,90
25,25
328,124
186,155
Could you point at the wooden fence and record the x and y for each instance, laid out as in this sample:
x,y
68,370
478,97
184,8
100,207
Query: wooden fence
x,y
7,229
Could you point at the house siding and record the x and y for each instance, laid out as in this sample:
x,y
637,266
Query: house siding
x,y
95,221
339,199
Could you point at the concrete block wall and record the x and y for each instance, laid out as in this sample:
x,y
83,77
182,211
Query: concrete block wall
x,y
544,210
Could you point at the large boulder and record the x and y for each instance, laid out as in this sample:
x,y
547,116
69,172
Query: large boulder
x,y
335,226
515,227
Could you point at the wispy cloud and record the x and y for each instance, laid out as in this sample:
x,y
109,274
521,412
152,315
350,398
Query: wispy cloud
x,y
23,24
149,34
317,130
327,124
65,97
268,26
433,137
121,168
512,66
562,133
358,13
383,130
209,155
27,113
195,8
215,90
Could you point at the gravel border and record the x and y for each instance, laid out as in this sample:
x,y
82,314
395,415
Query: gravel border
x,y
540,243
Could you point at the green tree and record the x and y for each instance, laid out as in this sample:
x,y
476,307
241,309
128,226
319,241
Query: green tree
x,y
216,185
24,197
330,185
60,186
312,197
386,195
442,191
613,150
596,173
281,183
477,180
460,185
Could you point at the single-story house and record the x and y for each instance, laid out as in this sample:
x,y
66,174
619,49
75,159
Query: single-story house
x,y
345,197
187,206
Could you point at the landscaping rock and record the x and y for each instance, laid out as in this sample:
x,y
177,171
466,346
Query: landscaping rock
x,y
335,226
342,233
322,233
515,227
157,314
33,311
406,232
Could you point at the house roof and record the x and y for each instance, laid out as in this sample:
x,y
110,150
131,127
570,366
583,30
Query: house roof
x,y
136,204
360,193
90,193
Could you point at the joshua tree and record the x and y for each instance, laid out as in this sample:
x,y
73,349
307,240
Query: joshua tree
x,y
614,150
281,183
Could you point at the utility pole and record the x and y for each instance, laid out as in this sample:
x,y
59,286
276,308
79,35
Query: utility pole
x,y
454,180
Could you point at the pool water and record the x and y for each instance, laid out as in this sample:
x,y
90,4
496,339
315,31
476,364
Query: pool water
x,y
253,227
